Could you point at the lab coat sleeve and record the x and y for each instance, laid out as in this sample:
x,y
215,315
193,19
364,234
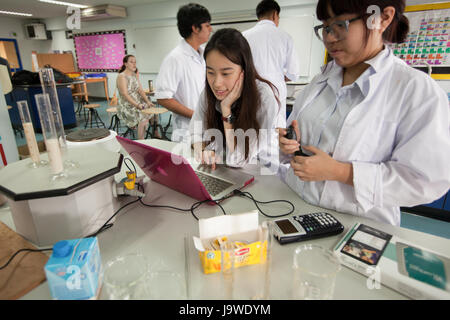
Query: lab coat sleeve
x,y
168,79
197,123
418,171
302,99
292,68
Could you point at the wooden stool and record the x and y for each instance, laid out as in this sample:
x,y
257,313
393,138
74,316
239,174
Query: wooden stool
x,y
155,111
93,115
115,121
81,98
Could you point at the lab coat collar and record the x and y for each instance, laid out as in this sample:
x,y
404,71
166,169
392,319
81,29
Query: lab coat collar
x,y
332,72
266,21
189,51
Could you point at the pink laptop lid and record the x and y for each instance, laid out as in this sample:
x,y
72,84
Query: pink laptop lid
x,y
166,168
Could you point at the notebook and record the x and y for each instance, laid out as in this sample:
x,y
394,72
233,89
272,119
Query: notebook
x,y
175,172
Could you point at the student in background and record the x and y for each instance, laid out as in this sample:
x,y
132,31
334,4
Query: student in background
x,y
132,98
235,97
377,131
273,51
181,77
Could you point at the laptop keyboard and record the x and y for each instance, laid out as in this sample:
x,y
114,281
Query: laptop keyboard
x,y
213,185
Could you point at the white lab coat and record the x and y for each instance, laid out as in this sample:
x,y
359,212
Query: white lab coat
x,y
397,139
274,57
182,76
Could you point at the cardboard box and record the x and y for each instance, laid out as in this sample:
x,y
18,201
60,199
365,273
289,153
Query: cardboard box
x,y
24,152
408,268
74,269
242,228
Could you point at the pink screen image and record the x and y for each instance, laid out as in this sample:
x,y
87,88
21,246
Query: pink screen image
x,y
100,51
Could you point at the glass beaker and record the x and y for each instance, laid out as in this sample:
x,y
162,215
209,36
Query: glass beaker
x,y
50,136
49,87
227,253
30,136
315,270
125,276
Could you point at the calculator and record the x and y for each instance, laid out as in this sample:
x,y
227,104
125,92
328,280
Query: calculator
x,y
306,227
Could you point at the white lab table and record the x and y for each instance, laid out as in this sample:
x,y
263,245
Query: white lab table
x,y
160,235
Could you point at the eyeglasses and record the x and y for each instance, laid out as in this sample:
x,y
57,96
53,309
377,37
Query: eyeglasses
x,y
338,29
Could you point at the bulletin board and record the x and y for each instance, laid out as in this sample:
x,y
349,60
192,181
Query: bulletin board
x,y
428,40
100,51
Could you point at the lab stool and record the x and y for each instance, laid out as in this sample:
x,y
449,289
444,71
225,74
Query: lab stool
x,y
152,128
81,98
93,117
130,131
115,121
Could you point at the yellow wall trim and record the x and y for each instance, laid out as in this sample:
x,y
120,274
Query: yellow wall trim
x,y
429,6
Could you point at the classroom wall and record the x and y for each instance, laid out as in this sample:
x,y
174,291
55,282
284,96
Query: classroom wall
x,y
164,14
151,15
10,25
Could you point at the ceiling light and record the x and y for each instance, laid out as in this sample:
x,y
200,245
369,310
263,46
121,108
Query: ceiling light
x,y
62,3
16,13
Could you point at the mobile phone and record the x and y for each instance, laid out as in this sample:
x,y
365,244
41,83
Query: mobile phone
x,y
291,135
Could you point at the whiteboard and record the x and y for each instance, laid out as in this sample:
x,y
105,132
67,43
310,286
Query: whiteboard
x,y
154,43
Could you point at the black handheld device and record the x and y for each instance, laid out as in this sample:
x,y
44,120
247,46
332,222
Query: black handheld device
x,y
306,227
290,134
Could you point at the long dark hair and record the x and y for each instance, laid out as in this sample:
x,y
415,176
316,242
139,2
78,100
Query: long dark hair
x,y
232,44
395,33
125,60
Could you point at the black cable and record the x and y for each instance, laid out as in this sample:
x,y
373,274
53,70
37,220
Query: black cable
x,y
23,250
249,196
104,227
129,169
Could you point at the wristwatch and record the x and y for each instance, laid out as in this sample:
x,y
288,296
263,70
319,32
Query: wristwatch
x,y
230,118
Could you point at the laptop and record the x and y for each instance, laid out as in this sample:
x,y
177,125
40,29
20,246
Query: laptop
x,y
175,172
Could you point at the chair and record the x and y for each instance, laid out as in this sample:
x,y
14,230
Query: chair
x,y
115,121
93,117
81,95
129,131
155,111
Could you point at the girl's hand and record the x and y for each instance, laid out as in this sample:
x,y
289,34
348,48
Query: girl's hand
x,y
289,146
321,167
234,94
317,167
207,157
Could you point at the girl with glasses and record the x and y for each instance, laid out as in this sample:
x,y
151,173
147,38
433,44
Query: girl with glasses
x,y
374,130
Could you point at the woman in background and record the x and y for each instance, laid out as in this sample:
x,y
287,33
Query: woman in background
x,y
132,98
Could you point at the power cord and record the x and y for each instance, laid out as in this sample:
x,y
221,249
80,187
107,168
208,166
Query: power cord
x,y
194,206
249,196
23,250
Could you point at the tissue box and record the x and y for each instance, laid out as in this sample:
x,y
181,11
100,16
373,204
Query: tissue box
x,y
74,269
242,227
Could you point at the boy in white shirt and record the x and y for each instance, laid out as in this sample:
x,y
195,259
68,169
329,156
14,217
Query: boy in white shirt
x,y
181,77
273,52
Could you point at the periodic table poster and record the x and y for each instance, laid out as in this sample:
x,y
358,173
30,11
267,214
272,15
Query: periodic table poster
x,y
428,39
